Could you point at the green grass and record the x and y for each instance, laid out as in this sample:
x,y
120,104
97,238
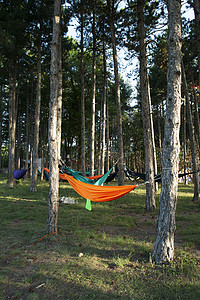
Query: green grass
x,y
116,239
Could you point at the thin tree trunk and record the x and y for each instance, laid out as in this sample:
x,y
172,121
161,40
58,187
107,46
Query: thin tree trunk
x,y
148,134
54,122
195,5
118,100
104,110
197,123
1,122
159,137
191,137
163,249
12,125
59,131
27,130
31,137
100,136
107,135
43,134
18,146
154,147
33,187
92,136
184,138
82,100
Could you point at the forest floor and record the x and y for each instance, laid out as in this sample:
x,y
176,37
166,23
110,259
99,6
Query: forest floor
x,y
101,254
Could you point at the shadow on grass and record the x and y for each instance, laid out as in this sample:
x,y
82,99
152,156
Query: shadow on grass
x,y
90,279
115,238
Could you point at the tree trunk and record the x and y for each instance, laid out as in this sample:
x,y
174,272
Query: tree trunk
x,y
92,136
118,100
99,142
184,137
18,146
104,110
159,137
1,122
191,137
59,131
54,122
163,249
82,100
197,123
12,124
195,5
33,187
146,112
31,137
107,135
27,129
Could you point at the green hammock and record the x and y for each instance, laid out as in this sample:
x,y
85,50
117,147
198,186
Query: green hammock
x,y
99,181
80,177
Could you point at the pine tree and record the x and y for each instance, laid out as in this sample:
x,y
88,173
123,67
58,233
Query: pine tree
x,y
54,115
163,249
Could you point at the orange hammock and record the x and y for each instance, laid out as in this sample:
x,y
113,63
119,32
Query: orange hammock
x,y
62,177
47,170
97,193
94,177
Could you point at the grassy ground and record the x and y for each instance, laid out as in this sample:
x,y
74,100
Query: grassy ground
x,y
115,240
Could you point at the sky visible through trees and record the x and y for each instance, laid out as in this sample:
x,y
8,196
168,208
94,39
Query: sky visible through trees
x,y
128,67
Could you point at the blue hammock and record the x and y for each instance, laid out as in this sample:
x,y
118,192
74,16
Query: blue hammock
x,y
18,174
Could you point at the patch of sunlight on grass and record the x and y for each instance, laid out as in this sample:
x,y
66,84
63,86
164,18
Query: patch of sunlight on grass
x,y
121,262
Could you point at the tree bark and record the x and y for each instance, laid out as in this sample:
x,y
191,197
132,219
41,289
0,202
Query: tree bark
x,y
33,187
159,137
92,136
31,137
107,135
118,100
195,5
1,122
12,124
163,249
18,145
191,137
104,110
184,137
59,129
82,99
146,112
197,123
54,122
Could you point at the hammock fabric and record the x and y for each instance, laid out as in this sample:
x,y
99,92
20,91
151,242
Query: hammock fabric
x,y
87,173
18,174
111,177
99,182
97,193
79,177
60,177
99,178
95,177
130,174
46,176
